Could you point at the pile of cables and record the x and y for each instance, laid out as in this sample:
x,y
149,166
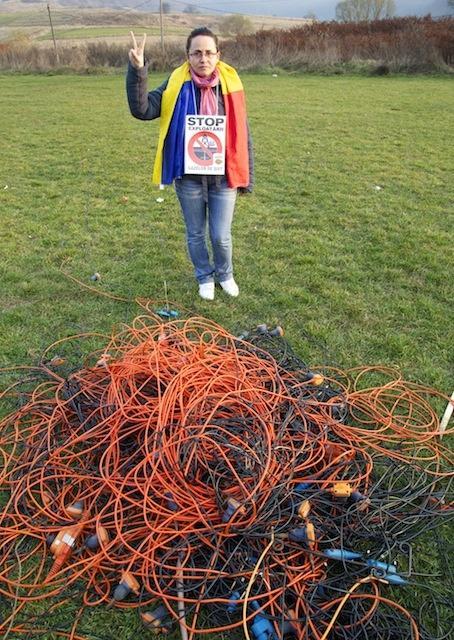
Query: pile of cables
x,y
216,483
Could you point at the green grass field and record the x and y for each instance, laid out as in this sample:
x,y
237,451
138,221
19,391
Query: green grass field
x,y
109,32
346,241
8,18
347,237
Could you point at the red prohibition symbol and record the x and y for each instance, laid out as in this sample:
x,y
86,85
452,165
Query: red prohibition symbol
x,y
202,146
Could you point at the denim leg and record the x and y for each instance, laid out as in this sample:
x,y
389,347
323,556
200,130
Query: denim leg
x,y
194,210
221,204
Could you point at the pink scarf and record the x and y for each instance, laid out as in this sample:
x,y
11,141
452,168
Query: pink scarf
x,y
208,102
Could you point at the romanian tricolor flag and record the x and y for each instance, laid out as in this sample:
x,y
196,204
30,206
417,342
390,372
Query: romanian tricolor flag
x,y
177,102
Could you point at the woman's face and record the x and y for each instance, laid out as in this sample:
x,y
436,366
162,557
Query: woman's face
x,y
203,55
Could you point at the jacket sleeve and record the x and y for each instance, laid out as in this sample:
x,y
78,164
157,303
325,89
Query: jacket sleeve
x,y
250,148
143,104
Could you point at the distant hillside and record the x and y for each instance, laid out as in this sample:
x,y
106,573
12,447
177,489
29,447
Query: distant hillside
x,y
75,24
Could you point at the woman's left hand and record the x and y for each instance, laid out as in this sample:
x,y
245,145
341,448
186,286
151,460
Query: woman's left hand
x,y
136,53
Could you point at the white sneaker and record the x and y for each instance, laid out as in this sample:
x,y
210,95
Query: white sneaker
x,y
230,287
206,290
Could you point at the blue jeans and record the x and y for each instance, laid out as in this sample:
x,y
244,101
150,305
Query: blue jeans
x,y
218,211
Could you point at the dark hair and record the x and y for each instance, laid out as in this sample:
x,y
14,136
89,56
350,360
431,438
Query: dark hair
x,y
201,31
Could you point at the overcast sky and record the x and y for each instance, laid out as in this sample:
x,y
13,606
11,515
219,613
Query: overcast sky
x,y
323,9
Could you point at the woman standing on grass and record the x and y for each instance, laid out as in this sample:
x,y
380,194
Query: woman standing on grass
x,y
207,172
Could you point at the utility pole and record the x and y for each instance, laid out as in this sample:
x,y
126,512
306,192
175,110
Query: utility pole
x,y
160,21
53,34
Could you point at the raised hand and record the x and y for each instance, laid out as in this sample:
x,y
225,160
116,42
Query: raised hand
x,y
136,53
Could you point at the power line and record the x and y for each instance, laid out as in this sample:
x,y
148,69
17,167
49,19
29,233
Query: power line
x,y
75,11
199,6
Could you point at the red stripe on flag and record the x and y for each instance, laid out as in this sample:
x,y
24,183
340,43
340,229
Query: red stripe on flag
x,y
237,156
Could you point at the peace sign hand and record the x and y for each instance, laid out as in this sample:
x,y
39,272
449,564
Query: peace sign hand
x,y
136,53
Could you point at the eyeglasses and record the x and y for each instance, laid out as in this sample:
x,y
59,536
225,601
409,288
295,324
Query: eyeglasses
x,y
199,54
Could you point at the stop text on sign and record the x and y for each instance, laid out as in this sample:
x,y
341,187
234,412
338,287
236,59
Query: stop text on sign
x,y
214,123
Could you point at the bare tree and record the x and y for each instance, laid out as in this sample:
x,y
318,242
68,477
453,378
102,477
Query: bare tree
x,y
235,25
364,10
